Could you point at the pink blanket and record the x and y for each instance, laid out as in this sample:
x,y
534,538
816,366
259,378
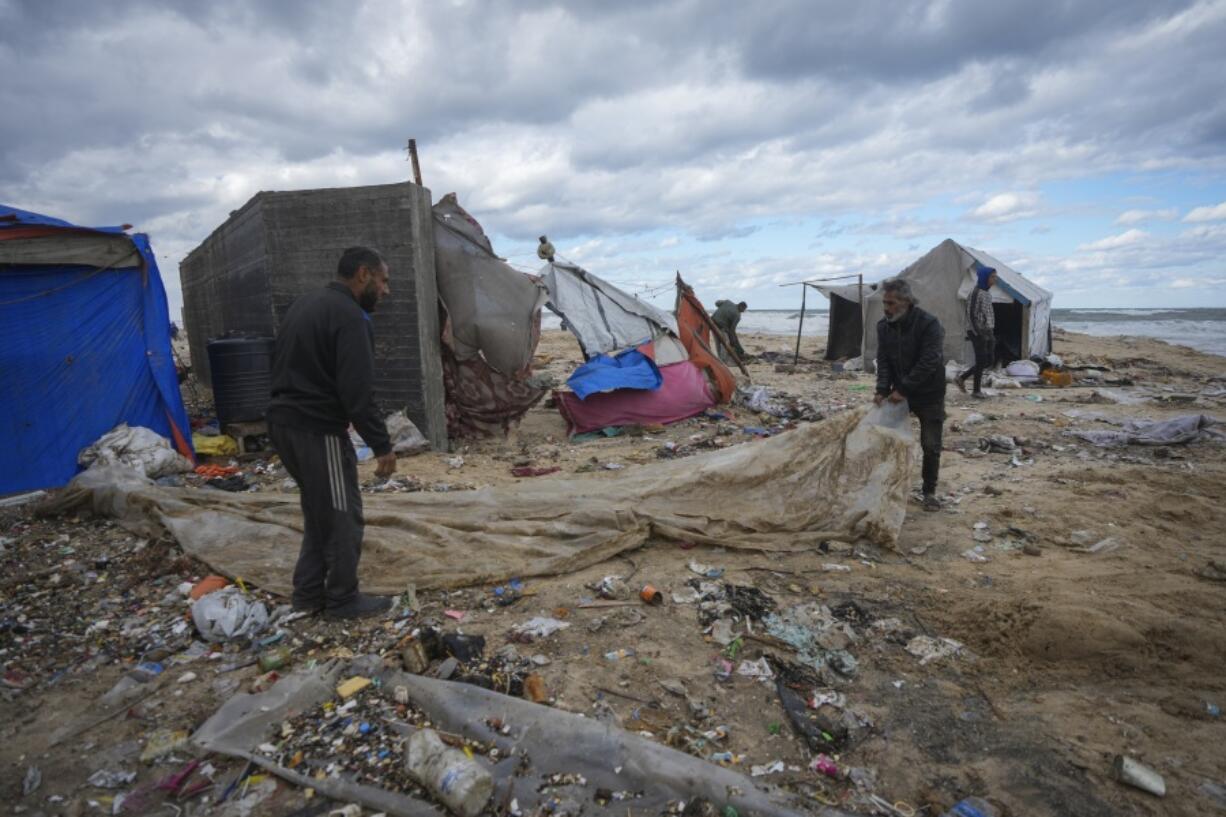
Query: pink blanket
x,y
684,393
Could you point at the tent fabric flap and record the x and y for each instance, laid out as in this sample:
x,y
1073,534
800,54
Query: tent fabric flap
x,y
600,315
82,349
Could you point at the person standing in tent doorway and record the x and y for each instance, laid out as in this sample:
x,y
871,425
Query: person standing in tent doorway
x,y
545,250
727,317
980,329
911,367
323,373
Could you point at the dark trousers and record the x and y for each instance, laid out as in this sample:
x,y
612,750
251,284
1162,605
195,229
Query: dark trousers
x,y
985,356
932,420
326,470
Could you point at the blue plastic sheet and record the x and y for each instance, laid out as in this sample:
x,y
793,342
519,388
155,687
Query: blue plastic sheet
x,y
629,370
82,350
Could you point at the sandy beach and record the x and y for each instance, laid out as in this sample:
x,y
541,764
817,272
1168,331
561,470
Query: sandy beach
x,y
1072,651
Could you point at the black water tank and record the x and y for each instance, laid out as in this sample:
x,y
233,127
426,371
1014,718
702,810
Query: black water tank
x,y
242,377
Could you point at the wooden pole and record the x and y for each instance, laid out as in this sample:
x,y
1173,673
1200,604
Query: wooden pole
x,y
413,159
804,291
863,320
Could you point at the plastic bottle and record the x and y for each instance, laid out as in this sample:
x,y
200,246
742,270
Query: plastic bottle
x,y
972,807
461,783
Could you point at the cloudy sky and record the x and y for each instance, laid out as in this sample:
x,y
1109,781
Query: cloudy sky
x,y
744,144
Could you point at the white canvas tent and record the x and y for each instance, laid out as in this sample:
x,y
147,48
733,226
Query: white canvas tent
x,y
942,280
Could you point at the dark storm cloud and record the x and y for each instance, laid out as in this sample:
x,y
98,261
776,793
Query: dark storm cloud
x,y
602,119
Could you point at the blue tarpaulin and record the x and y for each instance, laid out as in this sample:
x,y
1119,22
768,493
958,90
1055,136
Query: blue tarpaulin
x,y
629,370
83,348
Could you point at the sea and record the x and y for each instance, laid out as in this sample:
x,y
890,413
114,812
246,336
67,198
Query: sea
x,y
1203,329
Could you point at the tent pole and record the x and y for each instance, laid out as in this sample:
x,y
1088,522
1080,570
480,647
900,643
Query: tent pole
x,y
412,148
804,290
863,321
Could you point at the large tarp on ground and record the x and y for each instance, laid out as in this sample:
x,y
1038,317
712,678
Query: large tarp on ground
x,y
844,478
84,346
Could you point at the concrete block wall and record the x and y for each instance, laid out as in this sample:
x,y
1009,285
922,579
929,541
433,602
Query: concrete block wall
x,y
301,235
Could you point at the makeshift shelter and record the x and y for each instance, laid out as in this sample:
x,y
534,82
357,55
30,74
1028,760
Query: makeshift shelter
x,y
607,321
84,345
942,280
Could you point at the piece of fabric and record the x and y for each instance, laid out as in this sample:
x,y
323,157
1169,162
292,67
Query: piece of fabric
x,y
326,470
323,368
215,445
493,310
481,401
909,356
628,370
1175,431
82,350
683,392
602,317
844,478
695,335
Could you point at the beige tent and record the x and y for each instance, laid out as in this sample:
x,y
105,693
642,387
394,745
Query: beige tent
x,y
942,280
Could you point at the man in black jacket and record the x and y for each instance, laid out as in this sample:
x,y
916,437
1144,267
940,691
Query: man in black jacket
x,y
323,374
911,367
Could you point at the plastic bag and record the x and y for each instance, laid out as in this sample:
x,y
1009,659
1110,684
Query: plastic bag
x,y
227,614
136,447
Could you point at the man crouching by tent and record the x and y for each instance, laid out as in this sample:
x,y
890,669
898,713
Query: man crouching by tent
x,y
911,367
323,373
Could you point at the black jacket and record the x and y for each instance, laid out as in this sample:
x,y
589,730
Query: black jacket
x,y
323,368
910,357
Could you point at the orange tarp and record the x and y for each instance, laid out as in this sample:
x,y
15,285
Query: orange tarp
x,y
696,338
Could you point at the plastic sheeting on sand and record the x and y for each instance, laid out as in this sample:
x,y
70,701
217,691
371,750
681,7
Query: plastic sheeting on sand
x,y
540,741
846,478
1175,431
629,370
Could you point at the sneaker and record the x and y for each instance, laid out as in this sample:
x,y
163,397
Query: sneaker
x,y
308,607
931,503
960,382
362,606
978,395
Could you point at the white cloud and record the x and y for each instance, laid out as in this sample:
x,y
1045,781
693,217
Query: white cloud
x,y
1140,216
1215,212
1112,242
1004,207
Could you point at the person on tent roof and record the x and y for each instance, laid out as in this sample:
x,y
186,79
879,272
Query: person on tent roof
x,y
911,367
323,373
981,328
727,316
545,250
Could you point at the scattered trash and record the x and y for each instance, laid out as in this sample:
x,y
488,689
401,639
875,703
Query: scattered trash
x,y
1139,776
928,649
459,781
31,782
706,571
624,652
771,768
831,567
972,807
759,670
227,614
535,629
975,554
534,689
187,678
162,742
529,471
651,595
454,615
103,779
352,686
824,764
